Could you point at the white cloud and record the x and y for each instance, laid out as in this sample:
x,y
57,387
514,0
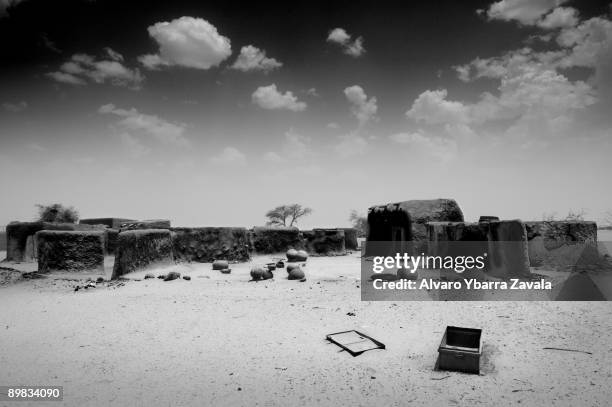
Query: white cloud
x,y
15,107
133,123
340,37
363,108
432,107
526,12
268,97
332,125
253,59
114,55
561,17
189,42
82,68
230,155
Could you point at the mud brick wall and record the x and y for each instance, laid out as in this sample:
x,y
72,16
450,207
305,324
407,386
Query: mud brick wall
x,y
560,244
2,241
70,250
268,240
112,223
111,237
17,234
139,249
508,253
324,242
207,244
350,238
407,221
146,224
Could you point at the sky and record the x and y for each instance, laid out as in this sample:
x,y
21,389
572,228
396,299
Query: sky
x,y
211,113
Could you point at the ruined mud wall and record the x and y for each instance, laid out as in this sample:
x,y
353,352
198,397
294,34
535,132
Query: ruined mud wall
x,y
207,244
112,223
70,250
407,221
111,236
17,234
324,242
146,224
139,249
268,239
2,241
560,244
350,238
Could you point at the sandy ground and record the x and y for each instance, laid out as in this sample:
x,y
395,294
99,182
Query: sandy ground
x,y
221,340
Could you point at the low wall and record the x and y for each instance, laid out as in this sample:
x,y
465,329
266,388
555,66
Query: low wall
x,y
268,240
2,241
324,242
111,236
17,234
560,244
70,250
146,224
139,249
508,255
350,238
207,244
112,223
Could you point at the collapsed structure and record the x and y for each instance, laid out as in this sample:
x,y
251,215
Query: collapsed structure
x,y
140,244
512,245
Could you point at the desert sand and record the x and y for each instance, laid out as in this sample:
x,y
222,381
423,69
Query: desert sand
x,y
222,340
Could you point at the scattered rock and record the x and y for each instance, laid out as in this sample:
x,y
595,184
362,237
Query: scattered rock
x,y
301,255
351,314
149,275
280,265
173,275
292,254
257,272
90,285
186,278
296,274
220,265
271,266
226,271
267,274
100,280
162,276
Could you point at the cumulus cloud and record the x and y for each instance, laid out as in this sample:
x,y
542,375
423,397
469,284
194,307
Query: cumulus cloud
x,y
254,59
526,12
561,17
432,107
84,68
230,155
188,42
268,97
133,127
363,109
15,107
340,37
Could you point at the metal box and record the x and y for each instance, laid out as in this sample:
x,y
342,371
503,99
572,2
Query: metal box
x,y
460,350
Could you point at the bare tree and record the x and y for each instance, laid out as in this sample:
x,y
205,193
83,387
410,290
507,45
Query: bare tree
x,y
57,213
286,215
359,222
576,215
